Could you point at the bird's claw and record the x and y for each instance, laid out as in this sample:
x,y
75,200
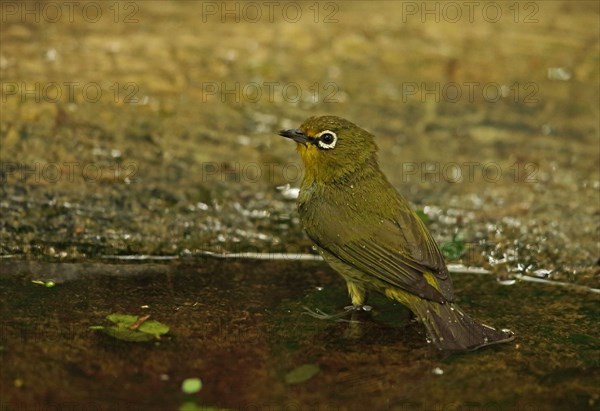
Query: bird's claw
x,y
321,315
356,308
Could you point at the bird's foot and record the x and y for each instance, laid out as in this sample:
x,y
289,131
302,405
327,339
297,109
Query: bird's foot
x,y
348,310
358,308
321,315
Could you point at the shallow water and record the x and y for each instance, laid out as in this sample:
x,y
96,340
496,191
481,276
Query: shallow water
x,y
240,326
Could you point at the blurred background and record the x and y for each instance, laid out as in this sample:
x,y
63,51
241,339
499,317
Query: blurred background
x,y
147,130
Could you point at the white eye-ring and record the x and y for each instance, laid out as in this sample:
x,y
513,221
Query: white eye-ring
x,y
326,139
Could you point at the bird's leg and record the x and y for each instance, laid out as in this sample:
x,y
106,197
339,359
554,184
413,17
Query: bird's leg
x,y
358,295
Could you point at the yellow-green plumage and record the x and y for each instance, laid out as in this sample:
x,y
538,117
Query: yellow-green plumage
x,y
369,234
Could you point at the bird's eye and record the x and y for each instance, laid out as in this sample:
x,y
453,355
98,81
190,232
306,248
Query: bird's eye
x,y
326,139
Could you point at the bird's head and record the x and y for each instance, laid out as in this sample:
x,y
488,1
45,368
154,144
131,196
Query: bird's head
x,y
331,147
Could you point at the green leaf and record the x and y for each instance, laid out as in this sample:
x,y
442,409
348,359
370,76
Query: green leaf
x,y
193,406
455,248
151,327
47,284
191,385
126,334
302,373
122,320
424,217
154,328
147,330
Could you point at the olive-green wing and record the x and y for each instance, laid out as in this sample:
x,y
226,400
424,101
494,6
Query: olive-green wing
x,y
398,251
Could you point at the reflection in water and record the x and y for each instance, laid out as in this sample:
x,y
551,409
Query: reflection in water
x,y
240,326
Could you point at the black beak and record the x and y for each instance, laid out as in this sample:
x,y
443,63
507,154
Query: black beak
x,y
296,135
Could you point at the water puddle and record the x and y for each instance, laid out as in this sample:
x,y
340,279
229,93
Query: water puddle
x,y
240,326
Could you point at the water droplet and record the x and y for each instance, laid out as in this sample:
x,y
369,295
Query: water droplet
x,y
437,371
202,206
51,54
288,192
542,273
485,340
506,281
429,341
559,73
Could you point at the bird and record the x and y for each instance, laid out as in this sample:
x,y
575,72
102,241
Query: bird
x,y
368,232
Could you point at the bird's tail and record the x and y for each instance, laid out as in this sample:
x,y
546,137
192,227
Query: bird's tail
x,y
450,329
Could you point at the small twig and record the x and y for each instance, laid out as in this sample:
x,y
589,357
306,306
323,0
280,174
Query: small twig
x,y
139,322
